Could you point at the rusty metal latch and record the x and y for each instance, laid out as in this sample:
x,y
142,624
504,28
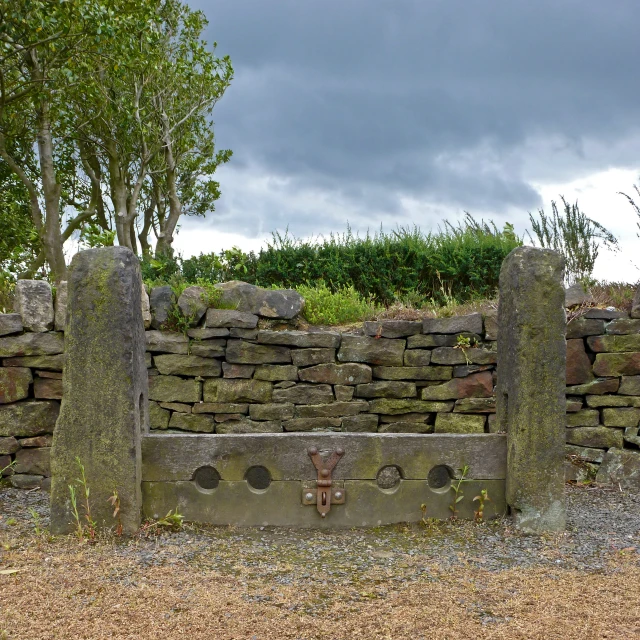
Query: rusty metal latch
x,y
326,491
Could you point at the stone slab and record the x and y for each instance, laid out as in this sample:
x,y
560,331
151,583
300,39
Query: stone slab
x,y
14,384
621,468
32,344
413,373
315,339
10,323
33,300
456,324
28,418
343,374
378,351
392,328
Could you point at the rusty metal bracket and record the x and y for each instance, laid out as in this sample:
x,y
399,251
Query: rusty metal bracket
x,y
326,491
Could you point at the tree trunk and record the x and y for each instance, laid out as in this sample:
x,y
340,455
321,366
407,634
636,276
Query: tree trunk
x,y
118,194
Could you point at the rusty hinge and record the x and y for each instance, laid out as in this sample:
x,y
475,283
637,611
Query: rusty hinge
x,y
325,492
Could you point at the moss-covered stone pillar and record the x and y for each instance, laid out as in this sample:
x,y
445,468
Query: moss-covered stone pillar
x,y
105,401
531,386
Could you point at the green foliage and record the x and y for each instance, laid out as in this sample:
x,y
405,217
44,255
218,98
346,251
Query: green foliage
x,y
456,488
85,524
574,235
342,306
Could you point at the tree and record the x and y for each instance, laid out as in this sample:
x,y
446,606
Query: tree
x,y
574,235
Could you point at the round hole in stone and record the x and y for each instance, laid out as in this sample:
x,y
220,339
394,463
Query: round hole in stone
x,y
258,477
439,477
389,477
206,478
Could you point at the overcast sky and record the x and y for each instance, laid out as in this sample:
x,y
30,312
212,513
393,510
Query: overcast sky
x,y
402,112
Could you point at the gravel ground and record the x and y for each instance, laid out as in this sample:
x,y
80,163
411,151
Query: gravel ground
x,y
361,577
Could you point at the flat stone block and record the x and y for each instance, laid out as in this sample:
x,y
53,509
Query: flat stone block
x,y
206,333
161,301
617,364
378,351
227,318
32,344
579,471
49,363
578,363
34,461
585,453
309,357
583,418
276,372
454,355
621,468
166,342
191,422
343,393
220,407
174,389
245,334
459,423
26,481
623,326
171,364
28,418
478,385
180,407
60,306
223,390
582,327
387,389
363,423
413,373
605,314
397,407
343,374
315,339
276,411
629,386
392,328
417,357
268,303
10,323
405,426
626,417
613,401
597,437
333,410
242,352
34,302
249,426
312,424
47,389
37,441
464,370
457,324
475,405
574,404
215,348
193,303
614,343
158,417
595,387
14,384
491,325
237,370
144,303
8,445
305,394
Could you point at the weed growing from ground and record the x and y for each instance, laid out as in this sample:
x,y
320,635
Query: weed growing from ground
x,y
478,515
342,306
85,525
456,487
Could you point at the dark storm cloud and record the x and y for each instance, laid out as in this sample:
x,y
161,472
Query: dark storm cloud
x,y
375,100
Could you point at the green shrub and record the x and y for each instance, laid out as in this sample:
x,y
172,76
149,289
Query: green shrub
x,y
342,306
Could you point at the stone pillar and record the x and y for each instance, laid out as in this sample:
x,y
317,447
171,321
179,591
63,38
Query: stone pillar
x,y
105,402
531,386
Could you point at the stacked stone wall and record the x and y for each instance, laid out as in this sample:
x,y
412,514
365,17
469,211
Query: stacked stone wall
x,y
234,372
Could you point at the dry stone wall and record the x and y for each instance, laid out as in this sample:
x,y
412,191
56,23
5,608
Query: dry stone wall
x,y
233,373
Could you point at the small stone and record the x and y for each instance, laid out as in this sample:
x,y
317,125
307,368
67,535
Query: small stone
x,y
478,385
34,303
491,325
279,411
28,418
176,406
237,370
396,407
215,348
576,295
26,481
245,334
613,401
51,363
493,425
344,374
625,417
614,343
31,344
573,405
223,390
285,384
144,301
191,422
629,386
596,387
617,364
583,418
578,363
622,326
454,355
417,357
8,445
242,352
390,389
475,405
54,375
428,341
404,426
459,423
413,373
312,424
392,328
582,327
10,323
276,372
268,303
47,389
315,339
305,394
597,437
579,471
35,461
249,426
464,370
230,318
309,357
585,453
226,417
363,423
220,407
605,314
167,342
158,417
621,468
205,333
378,351
14,384
182,365
343,393
409,417
333,410
193,303
174,389
457,324
161,301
